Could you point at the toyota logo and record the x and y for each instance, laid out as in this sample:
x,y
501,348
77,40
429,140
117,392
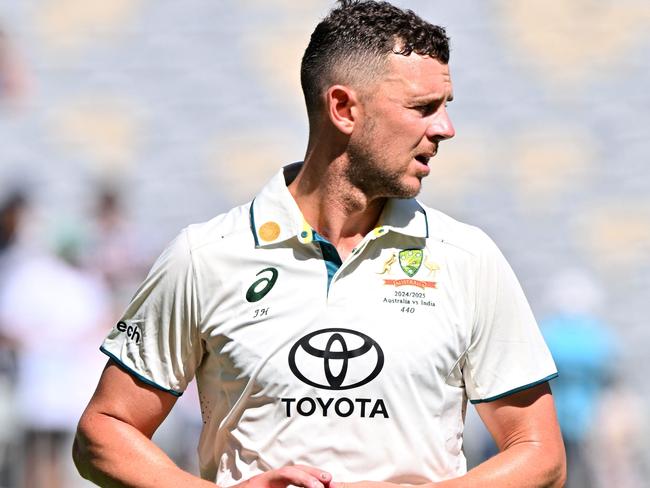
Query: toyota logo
x,y
328,357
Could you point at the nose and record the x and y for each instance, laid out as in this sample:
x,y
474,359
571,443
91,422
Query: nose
x,y
441,127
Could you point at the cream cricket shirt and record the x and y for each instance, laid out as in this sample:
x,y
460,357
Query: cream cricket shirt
x,y
362,368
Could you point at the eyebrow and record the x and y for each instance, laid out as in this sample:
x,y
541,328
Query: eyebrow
x,y
427,99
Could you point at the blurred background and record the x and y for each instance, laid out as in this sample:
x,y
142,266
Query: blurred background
x,y
121,121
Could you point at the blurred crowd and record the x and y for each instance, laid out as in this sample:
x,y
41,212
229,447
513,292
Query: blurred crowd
x,y
57,302
604,421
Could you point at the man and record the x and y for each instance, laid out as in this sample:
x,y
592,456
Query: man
x,y
335,325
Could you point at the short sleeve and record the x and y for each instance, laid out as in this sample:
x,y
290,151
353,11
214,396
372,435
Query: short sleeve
x,y
157,339
507,352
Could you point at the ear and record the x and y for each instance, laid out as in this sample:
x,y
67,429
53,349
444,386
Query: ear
x,y
342,108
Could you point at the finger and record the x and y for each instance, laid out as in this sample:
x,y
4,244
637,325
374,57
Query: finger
x,y
292,475
323,476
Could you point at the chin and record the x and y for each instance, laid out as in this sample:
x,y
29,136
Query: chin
x,y
408,191
414,186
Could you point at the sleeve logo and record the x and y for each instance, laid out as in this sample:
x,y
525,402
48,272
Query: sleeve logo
x,y
132,331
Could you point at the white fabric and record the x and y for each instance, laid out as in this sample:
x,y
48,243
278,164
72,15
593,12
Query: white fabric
x,y
56,313
459,328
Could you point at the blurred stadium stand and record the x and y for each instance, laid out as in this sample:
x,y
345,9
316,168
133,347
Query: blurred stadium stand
x,y
184,109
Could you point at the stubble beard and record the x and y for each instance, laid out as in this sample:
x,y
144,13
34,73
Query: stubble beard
x,y
370,175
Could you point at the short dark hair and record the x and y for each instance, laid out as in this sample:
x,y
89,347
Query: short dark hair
x,y
352,44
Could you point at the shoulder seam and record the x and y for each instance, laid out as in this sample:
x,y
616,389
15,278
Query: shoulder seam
x,y
194,283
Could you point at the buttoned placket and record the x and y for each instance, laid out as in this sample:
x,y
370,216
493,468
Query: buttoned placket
x,y
356,253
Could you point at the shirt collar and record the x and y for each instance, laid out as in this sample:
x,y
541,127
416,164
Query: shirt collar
x,y
405,216
275,216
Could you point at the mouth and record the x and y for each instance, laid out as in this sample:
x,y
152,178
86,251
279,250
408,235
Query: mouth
x,y
425,156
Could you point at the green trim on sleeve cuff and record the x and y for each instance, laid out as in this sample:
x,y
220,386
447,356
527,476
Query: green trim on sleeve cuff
x,y
137,375
516,390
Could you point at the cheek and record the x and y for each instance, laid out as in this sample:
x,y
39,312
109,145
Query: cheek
x,y
412,127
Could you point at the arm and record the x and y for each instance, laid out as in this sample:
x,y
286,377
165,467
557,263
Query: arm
x,y
525,429
113,446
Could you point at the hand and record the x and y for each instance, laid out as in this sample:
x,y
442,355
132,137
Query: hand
x,y
364,484
377,484
298,475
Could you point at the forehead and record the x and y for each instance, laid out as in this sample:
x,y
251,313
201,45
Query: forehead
x,y
416,76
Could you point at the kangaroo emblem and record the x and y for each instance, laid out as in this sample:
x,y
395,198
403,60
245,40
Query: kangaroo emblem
x,y
432,267
389,264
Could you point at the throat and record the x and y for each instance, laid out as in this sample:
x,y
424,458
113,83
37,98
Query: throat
x,y
346,246
338,211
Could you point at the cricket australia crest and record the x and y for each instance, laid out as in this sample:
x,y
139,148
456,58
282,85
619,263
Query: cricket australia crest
x,y
410,261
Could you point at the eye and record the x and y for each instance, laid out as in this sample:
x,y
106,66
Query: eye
x,y
427,109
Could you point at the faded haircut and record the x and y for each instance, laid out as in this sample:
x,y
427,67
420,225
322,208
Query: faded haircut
x,y
351,46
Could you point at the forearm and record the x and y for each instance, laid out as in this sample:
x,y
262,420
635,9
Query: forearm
x,y
112,453
524,465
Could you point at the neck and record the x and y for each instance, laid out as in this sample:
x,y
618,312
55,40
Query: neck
x,y
336,209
